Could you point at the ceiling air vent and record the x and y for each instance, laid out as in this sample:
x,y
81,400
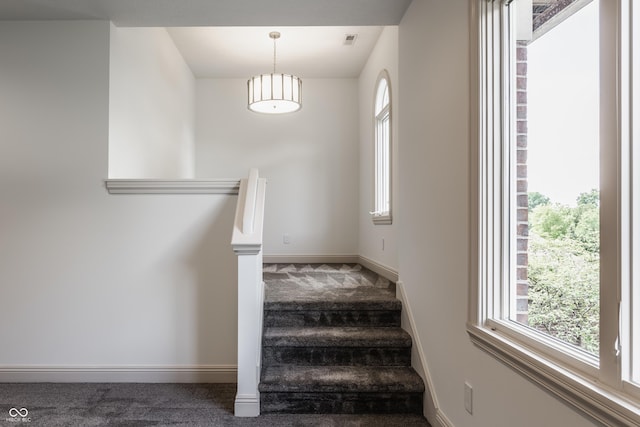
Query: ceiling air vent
x,y
350,39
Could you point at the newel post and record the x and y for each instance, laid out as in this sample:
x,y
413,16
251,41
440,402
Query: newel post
x,y
247,244
249,323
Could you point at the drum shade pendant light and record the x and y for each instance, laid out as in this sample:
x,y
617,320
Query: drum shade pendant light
x,y
274,93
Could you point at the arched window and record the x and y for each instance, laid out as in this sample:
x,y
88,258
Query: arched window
x,y
382,188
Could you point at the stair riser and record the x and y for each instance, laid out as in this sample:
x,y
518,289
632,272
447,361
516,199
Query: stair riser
x,y
342,356
383,318
341,403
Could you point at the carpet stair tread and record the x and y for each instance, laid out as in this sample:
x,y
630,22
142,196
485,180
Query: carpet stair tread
x,y
373,304
336,337
335,318
360,379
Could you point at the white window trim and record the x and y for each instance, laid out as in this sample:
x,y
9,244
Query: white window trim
x,y
629,145
604,397
382,217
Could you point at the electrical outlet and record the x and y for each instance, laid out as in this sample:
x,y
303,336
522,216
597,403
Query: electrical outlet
x,y
468,397
286,239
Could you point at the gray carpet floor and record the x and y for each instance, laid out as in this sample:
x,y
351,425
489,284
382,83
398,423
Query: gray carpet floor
x,y
137,405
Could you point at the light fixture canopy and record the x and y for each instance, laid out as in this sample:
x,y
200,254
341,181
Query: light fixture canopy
x,y
274,93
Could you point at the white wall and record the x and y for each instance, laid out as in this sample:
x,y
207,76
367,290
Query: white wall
x,y
434,215
89,279
310,159
151,117
383,57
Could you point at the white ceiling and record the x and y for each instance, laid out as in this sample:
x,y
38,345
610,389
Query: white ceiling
x,y
182,13
229,38
308,52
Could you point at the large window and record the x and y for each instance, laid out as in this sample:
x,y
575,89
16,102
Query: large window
x,y
557,211
382,189
556,220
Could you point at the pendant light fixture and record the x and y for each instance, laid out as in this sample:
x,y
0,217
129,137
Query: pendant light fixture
x,y
274,93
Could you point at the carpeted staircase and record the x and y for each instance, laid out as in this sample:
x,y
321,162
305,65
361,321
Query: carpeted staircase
x,y
333,344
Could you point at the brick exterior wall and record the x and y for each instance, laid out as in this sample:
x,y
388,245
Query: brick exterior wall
x,y
522,202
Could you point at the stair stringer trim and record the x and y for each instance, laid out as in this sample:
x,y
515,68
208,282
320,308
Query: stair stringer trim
x,y
431,407
380,269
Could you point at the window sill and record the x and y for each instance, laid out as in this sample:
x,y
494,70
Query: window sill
x,y
602,404
381,219
175,186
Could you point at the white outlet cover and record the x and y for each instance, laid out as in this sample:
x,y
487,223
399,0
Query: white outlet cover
x,y
468,397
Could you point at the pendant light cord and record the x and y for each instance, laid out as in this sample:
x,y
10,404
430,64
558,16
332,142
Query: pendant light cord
x,y
274,55
275,36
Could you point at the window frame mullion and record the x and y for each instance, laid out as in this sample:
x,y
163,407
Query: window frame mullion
x,y
611,187
507,149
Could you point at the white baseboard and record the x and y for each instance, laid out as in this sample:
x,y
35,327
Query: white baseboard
x,y
247,405
442,419
419,362
381,269
120,373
